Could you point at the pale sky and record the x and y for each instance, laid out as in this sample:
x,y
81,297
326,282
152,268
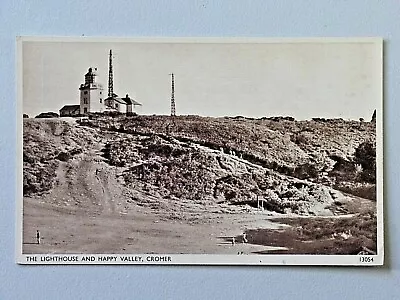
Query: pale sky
x,y
287,78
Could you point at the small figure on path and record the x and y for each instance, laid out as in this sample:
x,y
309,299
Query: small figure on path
x,y
233,241
37,237
245,238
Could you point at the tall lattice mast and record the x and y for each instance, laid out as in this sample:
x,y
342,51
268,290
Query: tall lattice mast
x,y
173,111
110,77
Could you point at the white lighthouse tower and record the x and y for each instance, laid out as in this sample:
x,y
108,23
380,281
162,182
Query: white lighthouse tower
x,y
92,94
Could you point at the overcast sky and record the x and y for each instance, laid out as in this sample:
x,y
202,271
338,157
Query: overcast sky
x,y
288,78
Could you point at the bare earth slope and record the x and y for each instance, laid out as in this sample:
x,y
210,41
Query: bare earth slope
x,y
150,185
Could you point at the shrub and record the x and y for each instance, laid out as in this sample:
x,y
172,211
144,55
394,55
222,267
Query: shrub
x,y
63,156
47,115
365,156
299,139
343,170
305,171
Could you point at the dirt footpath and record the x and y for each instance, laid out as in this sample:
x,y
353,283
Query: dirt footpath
x,y
65,230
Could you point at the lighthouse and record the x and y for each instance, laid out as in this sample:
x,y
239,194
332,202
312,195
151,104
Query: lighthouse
x,y
91,94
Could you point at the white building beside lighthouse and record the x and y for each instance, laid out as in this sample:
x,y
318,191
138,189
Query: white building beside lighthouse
x,y
93,99
91,94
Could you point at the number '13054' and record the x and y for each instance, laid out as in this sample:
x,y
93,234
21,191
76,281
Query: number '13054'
x,y
366,259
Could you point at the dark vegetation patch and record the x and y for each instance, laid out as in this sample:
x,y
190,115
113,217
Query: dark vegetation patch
x,y
47,115
320,235
365,156
40,178
67,155
357,176
362,190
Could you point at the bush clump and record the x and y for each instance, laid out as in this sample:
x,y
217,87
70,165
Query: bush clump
x,y
365,155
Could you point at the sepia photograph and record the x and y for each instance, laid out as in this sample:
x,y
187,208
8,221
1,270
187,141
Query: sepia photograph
x,y
212,151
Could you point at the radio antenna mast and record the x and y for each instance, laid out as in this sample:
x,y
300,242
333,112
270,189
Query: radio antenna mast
x,y
110,77
173,111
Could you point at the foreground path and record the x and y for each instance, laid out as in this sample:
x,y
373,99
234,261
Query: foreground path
x,y
70,230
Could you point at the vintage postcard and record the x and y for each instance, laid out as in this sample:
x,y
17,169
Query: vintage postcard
x,y
211,151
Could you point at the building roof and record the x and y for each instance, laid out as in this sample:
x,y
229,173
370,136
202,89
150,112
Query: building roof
x,y
126,100
119,100
70,108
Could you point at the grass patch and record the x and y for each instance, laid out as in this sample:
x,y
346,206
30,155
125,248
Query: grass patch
x,y
366,190
320,235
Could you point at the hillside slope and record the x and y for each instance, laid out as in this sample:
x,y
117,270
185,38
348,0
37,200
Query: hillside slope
x,y
224,175
228,160
336,153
